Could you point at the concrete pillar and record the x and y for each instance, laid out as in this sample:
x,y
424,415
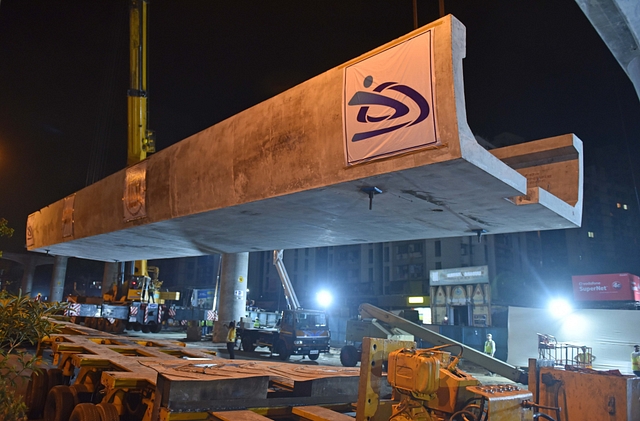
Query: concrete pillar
x,y
233,292
110,275
57,278
27,277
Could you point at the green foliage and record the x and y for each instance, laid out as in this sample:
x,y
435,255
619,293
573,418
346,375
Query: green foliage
x,y
4,228
24,324
5,231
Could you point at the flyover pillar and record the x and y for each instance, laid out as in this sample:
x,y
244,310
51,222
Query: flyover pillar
x,y
27,277
233,292
57,278
110,275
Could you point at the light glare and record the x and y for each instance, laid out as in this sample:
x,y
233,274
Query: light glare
x,y
324,298
559,308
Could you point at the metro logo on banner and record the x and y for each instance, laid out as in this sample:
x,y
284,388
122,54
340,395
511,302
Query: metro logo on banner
x,y
388,102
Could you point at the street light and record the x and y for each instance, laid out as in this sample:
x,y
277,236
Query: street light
x,y
559,307
324,298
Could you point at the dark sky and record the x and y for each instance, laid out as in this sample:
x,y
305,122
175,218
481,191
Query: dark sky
x,y
535,68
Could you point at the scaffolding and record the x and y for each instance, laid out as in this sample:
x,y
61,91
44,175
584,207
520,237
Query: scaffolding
x,y
564,354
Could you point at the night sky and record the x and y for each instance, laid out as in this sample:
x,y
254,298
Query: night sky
x,y
534,68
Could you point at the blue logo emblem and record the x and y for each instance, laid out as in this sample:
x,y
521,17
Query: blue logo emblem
x,y
365,99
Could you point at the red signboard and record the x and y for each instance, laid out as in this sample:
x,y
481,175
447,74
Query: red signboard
x,y
609,287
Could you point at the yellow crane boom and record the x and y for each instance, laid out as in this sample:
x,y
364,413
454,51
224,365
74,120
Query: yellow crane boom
x,y
140,140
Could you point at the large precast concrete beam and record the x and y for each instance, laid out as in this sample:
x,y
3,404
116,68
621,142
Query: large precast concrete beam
x,y
618,24
375,150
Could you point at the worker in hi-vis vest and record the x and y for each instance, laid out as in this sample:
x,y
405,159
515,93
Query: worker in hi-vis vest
x,y
635,361
489,345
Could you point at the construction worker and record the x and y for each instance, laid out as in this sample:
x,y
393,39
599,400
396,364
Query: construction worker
x,y
635,361
256,323
489,345
231,340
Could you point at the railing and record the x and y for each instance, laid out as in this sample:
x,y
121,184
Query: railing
x,y
564,354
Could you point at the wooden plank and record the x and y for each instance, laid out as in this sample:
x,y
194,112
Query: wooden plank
x,y
239,416
318,413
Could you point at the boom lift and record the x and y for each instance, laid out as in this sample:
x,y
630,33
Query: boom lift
x,y
296,332
289,292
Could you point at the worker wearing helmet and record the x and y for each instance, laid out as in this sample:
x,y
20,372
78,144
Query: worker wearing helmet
x,y
231,339
635,361
489,345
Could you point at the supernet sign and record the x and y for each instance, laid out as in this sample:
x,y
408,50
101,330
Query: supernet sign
x,y
608,287
388,101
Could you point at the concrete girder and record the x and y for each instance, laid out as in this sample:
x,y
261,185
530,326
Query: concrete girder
x,y
618,24
26,259
29,261
275,177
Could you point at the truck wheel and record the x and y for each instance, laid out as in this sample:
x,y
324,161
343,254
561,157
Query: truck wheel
x,y
108,412
314,357
156,328
101,325
54,378
118,326
81,393
146,328
349,356
247,344
59,404
281,349
137,327
85,412
36,394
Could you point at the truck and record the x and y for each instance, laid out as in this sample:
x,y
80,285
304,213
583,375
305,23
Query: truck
x,y
296,331
198,307
135,304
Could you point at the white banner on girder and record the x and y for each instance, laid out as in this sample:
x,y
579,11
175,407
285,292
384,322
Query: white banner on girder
x,y
388,102
135,192
30,227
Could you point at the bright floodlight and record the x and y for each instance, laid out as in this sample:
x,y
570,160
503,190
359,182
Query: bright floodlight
x,y
324,298
559,307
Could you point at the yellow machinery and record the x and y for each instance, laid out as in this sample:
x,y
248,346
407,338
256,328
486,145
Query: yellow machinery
x,y
141,140
145,288
584,393
427,386
158,380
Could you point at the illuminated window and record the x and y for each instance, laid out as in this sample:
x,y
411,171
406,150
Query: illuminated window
x,y
591,234
416,300
618,205
624,207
